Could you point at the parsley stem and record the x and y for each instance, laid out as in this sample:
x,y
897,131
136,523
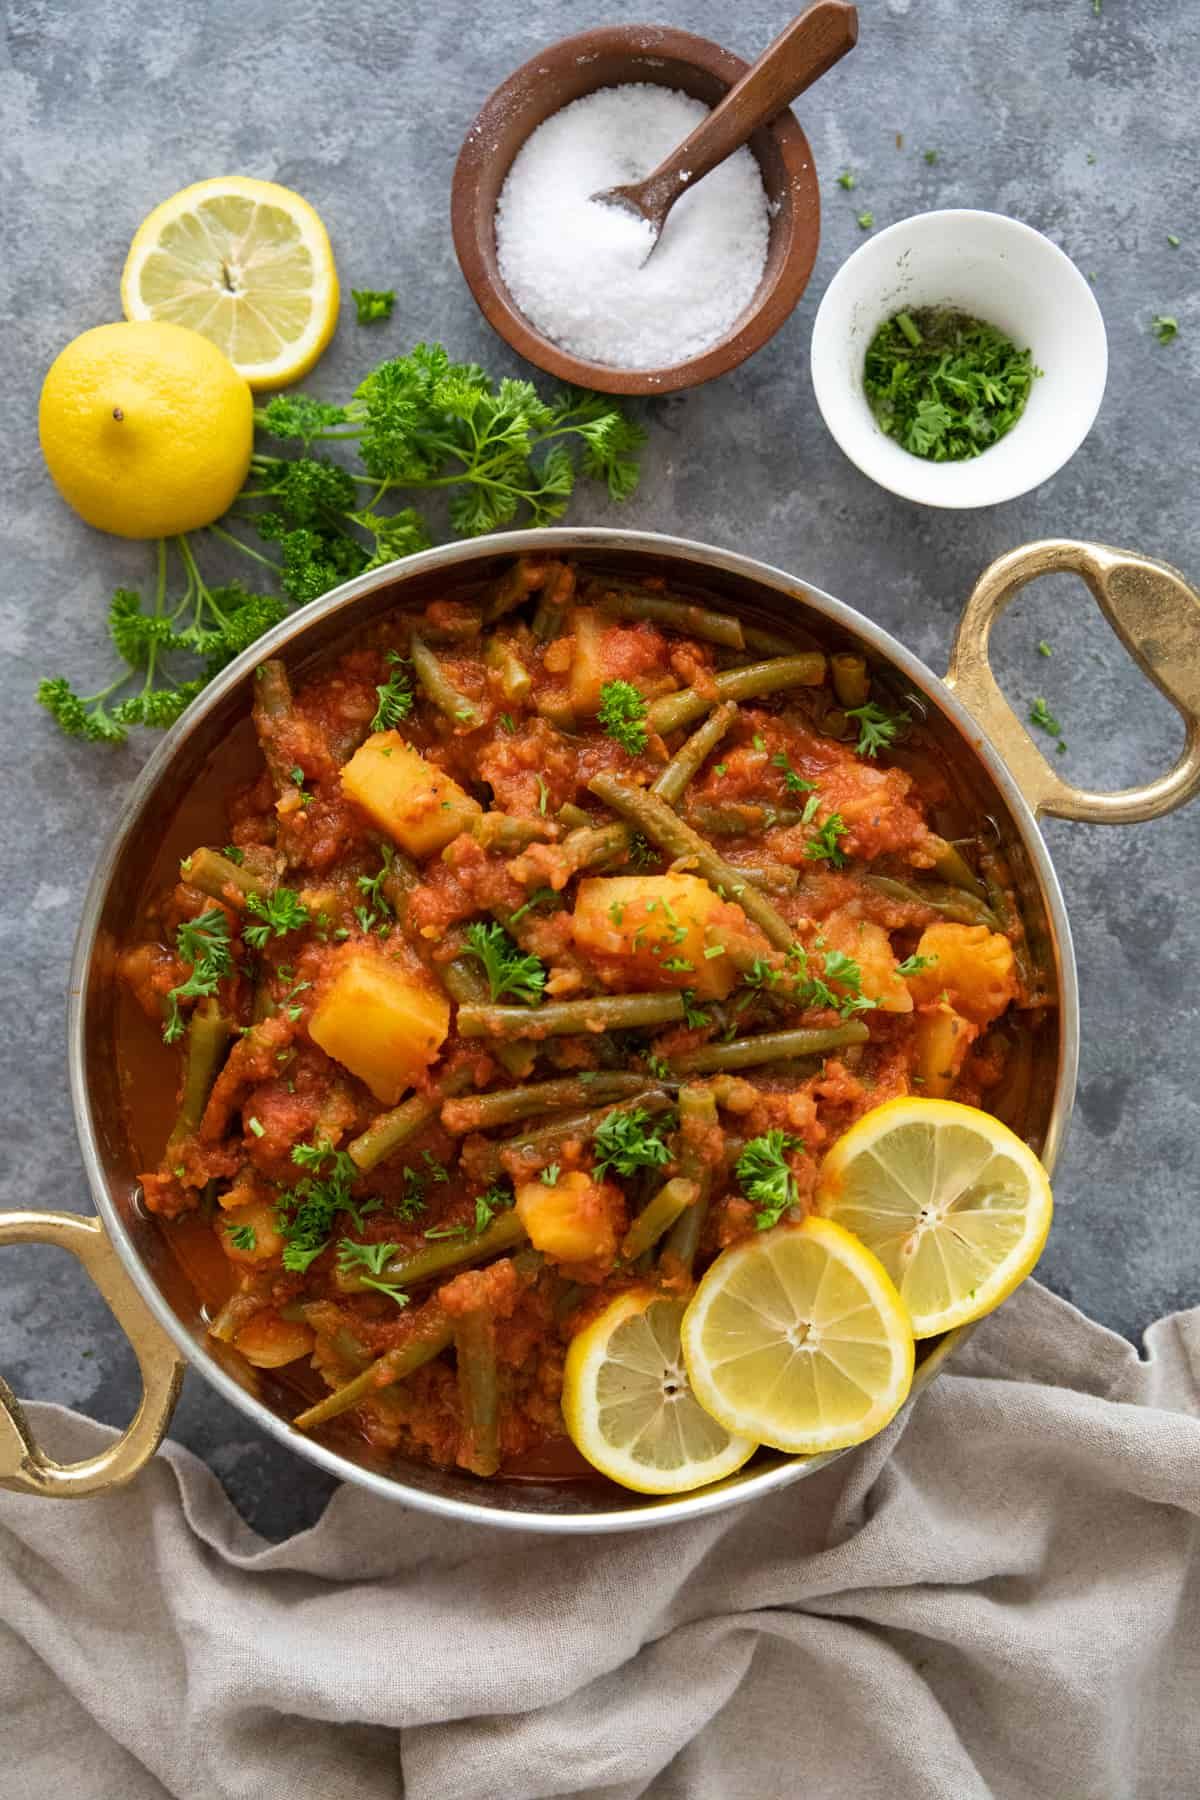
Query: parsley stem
x,y
228,538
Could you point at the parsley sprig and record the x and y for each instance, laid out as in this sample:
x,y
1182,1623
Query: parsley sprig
x,y
281,912
416,422
876,728
396,697
369,1261
510,973
945,386
628,1141
373,304
623,715
304,1214
766,1178
203,942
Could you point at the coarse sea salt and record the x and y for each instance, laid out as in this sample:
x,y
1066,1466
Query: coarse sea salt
x,y
579,271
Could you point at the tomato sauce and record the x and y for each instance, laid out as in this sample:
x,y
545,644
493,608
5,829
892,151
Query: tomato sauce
x,y
325,956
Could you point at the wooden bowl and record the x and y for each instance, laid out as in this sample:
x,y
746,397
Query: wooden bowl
x,y
606,58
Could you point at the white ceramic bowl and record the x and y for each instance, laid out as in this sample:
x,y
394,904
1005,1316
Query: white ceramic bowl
x,y
995,269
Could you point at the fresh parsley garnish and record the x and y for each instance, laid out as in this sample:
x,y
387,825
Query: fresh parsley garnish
x,y
1041,716
865,221
281,912
1044,648
694,1015
373,304
550,1174
823,846
623,714
628,1141
242,1237
377,907
509,971
305,1213
795,784
848,180
234,855
945,386
415,422
395,696
765,1177
876,728
913,964
203,942
370,1261
1165,327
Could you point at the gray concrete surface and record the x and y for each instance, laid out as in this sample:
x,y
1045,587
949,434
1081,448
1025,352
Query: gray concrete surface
x,y
1084,126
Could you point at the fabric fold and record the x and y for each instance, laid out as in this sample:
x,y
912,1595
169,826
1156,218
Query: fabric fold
x,y
999,1597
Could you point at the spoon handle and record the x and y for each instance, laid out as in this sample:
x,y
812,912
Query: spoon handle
x,y
800,55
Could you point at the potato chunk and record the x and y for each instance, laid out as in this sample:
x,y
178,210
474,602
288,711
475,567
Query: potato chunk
x,y
869,946
974,967
648,931
573,1221
383,1022
588,673
412,800
943,1039
270,1342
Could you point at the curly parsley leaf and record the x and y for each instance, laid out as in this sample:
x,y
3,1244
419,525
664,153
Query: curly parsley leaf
x,y
509,971
623,715
242,1237
765,1177
628,1141
876,728
373,304
203,942
823,846
281,912
369,1262
305,1214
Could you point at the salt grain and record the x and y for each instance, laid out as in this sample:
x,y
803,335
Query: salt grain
x,y
579,270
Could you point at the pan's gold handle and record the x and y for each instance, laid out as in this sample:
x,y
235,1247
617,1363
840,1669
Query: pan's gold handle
x,y
1156,615
24,1467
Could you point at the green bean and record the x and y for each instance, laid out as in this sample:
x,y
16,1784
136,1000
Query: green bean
x,y
208,1034
769,1047
392,1129
658,1215
461,625
1009,921
954,869
697,1117
504,1232
508,833
515,679
673,710
551,613
731,819
677,615
564,1018
272,704
768,643
950,902
514,587
439,688
225,880
481,1112
479,1390
593,845
433,1332
776,878
686,763
656,821
573,816
851,683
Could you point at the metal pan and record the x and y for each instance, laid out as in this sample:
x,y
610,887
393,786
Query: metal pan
x,y
1153,611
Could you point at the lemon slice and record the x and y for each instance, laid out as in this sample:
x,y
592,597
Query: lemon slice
x,y
245,263
797,1338
629,1408
951,1201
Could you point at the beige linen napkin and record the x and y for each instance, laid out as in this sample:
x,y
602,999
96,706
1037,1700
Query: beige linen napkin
x,y
1001,1597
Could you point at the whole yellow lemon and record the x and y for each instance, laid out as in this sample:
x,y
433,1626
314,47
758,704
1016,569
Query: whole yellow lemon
x,y
146,428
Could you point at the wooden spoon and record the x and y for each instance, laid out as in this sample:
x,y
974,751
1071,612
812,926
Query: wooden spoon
x,y
800,55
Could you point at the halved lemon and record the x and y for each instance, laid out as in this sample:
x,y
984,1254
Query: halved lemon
x,y
247,264
797,1338
951,1201
628,1405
